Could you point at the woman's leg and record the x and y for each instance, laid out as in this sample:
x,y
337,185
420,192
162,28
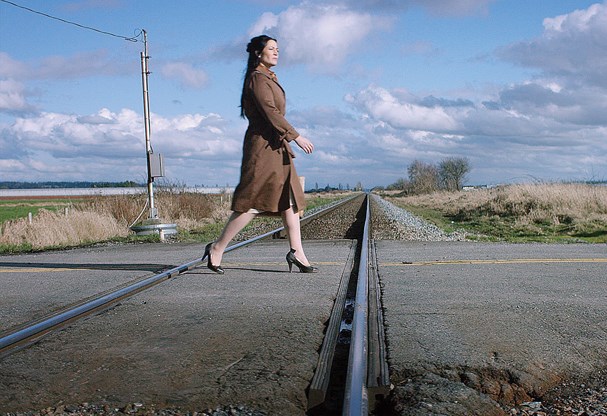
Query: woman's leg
x,y
290,220
236,222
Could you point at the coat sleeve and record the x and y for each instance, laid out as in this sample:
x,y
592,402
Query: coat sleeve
x,y
264,99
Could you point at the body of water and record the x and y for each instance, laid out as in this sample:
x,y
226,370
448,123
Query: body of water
x,y
58,192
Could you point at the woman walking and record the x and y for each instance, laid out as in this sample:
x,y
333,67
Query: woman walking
x,y
269,184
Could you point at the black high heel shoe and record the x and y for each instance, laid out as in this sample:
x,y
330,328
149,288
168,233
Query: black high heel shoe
x,y
210,265
291,259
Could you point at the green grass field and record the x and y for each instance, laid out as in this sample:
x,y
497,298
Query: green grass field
x,y
20,208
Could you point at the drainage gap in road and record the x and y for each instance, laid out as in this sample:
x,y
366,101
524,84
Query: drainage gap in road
x,y
334,398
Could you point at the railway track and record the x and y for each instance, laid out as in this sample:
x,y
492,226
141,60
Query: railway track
x,y
351,373
281,343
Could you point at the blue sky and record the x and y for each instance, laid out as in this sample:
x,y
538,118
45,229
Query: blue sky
x,y
516,86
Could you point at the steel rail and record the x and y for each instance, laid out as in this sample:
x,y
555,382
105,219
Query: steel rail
x,y
319,386
356,399
44,326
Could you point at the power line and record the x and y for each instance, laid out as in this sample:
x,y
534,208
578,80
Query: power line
x,y
130,39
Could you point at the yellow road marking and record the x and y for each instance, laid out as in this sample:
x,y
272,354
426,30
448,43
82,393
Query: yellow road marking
x,y
227,264
250,264
41,269
335,263
493,261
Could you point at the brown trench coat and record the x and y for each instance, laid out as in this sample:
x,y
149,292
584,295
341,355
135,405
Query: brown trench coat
x,y
267,172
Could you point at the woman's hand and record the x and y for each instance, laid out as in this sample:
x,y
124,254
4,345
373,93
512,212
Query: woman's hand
x,y
306,145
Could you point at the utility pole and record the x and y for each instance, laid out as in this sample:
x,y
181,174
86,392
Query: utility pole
x,y
155,168
146,123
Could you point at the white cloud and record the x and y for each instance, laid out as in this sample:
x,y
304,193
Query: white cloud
x,y
266,22
85,64
454,7
334,158
22,83
570,93
536,127
321,36
13,97
111,146
576,21
585,105
80,65
13,94
186,74
435,7
383,105
551,126
572,47
11,68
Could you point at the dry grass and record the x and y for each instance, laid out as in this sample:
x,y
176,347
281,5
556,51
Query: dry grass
x,y
105,218
51,229
186,209
523,210
199,217
544,202
562,207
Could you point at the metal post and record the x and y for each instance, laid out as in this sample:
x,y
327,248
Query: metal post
x,y
146,122
153,224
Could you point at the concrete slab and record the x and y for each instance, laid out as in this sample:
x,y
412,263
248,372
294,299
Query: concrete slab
x,y
506,320
33,285
250,336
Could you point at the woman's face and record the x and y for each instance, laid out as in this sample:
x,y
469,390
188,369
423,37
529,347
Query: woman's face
x,y
269,55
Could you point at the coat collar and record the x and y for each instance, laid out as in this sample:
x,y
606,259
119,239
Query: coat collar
x,y
265,70
270,74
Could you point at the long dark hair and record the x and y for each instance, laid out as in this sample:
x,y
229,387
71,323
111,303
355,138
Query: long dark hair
x,y
254,48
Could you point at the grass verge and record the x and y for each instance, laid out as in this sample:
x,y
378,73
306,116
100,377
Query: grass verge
x,y
545,213
91,220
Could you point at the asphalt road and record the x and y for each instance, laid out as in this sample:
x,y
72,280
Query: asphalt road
x,y
467,325
508,320
250,336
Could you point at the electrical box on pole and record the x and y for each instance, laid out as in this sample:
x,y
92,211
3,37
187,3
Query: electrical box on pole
x,y
156,165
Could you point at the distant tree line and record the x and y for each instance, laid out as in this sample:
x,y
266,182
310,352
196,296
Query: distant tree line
x,y
63,185
339,187
423,178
